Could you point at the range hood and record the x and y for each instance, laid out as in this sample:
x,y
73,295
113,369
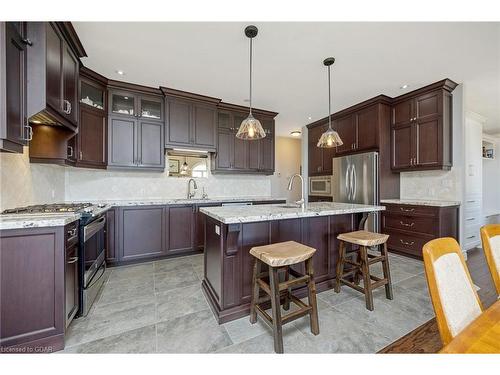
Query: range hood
x,y
185,152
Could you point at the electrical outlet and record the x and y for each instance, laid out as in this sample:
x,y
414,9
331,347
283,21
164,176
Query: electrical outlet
x,y
217,230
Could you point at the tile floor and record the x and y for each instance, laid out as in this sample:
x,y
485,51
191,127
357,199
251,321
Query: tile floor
x,y
159,307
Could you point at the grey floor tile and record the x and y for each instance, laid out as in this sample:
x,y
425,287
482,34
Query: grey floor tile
x,y
110,321
197,260
127,272
179,302
199,270
332,298
141,340
182,277
416,283
193,333
240,330
408,265
172,265
127,289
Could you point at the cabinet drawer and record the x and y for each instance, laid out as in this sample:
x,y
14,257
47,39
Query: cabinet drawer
x,y
407,243
426,225
71,233
410,210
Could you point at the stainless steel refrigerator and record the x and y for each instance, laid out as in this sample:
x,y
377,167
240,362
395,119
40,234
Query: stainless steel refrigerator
x,y
355,180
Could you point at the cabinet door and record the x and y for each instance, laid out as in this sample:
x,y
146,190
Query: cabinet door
x,y
346,128
428,105
204,126
267,153
315,234
180,229
151,151
178,122
240,152
70,84
328,155
150,108
367,128
225,144
121,142
254,155
92,137
315,152
402,147
428,143
122,104
54,47
71,283
200,226
403,112
142,232
15,83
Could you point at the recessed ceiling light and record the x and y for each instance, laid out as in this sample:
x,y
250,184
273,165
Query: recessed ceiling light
x,y
296,133
309,117
120,72
36,122
404,87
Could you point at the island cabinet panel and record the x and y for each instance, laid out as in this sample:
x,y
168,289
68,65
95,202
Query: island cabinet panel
x,y
32,289
181,225
315,234
142,233
199,229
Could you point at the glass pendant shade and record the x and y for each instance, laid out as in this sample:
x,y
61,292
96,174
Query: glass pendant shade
x,y
250,129
329,139
184,168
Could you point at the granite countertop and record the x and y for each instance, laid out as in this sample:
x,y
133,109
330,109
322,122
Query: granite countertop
x,y
16,221
248,214
159,202
421,202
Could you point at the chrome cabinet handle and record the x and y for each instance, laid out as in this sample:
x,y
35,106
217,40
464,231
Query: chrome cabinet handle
x,y
67,107
407,243
73,260
470,237
406,209
72,232
470,219
70,148
30,133
406,224
27,41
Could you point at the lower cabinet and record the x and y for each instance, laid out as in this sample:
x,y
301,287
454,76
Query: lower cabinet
x,y
410,227
71,279
142,232
181,225
111,238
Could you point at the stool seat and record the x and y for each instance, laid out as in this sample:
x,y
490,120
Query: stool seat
x,y
363,238
283,253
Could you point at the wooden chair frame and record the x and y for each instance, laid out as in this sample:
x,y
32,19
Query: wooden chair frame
x,y
487,232
432,251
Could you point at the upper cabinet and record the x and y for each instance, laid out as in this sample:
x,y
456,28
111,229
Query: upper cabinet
x,y
191,120
53,70
14,132
235,155
421,131
135,127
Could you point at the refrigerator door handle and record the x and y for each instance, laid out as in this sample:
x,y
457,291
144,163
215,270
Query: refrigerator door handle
x,y
353,182
347,183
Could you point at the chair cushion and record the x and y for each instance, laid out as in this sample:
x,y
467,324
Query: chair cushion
x,y
282,253
459,302
364,238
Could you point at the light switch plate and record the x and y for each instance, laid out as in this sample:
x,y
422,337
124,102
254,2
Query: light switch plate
x,y
217,230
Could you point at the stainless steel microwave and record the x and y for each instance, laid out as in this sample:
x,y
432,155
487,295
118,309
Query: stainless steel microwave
x,y
320,186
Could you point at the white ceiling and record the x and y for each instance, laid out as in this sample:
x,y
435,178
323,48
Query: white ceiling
x,y
289,78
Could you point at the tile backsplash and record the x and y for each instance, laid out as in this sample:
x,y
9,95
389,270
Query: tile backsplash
x,y
434,185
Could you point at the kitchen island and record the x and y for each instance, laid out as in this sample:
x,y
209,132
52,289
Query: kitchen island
x,y
230,233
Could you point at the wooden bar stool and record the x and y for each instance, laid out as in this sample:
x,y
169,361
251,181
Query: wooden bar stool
x,y
364,239
280,256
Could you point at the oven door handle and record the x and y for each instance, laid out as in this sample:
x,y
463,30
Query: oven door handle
x,y
93,228
97,278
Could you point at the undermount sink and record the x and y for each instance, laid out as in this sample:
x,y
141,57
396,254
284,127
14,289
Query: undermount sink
x,y
289,205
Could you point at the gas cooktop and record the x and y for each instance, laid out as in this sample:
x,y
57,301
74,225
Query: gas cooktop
x,y
54,208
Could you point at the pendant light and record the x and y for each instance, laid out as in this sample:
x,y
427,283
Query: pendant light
x,y
251,128
330,138
185,167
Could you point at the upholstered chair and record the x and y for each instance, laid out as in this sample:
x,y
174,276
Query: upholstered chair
x,y
452,291
490,235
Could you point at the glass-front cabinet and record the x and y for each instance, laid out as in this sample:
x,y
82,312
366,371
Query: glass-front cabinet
x,y
92,95
131,104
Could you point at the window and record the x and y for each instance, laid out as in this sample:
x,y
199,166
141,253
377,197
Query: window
x,y
200,170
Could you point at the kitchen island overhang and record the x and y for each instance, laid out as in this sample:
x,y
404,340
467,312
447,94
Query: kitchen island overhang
x,y
230,233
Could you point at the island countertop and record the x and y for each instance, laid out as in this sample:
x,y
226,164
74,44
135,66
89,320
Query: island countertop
x,y
255,213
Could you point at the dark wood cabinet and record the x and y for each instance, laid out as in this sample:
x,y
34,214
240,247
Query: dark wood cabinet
x,y
89,146
367,128
13,126
315,158
199,229
142,232
346,127
53,71
111,236
71,283
135,130
235,155
411,226
191,120
421,129
181,226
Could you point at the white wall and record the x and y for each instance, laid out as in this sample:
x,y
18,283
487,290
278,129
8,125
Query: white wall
x,y
287,163
491,183
22,183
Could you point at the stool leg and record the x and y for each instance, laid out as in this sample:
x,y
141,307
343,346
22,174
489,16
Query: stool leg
x,y
387,272
276,307
366,278
255,291
356,277
340,266
311,287
286,305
